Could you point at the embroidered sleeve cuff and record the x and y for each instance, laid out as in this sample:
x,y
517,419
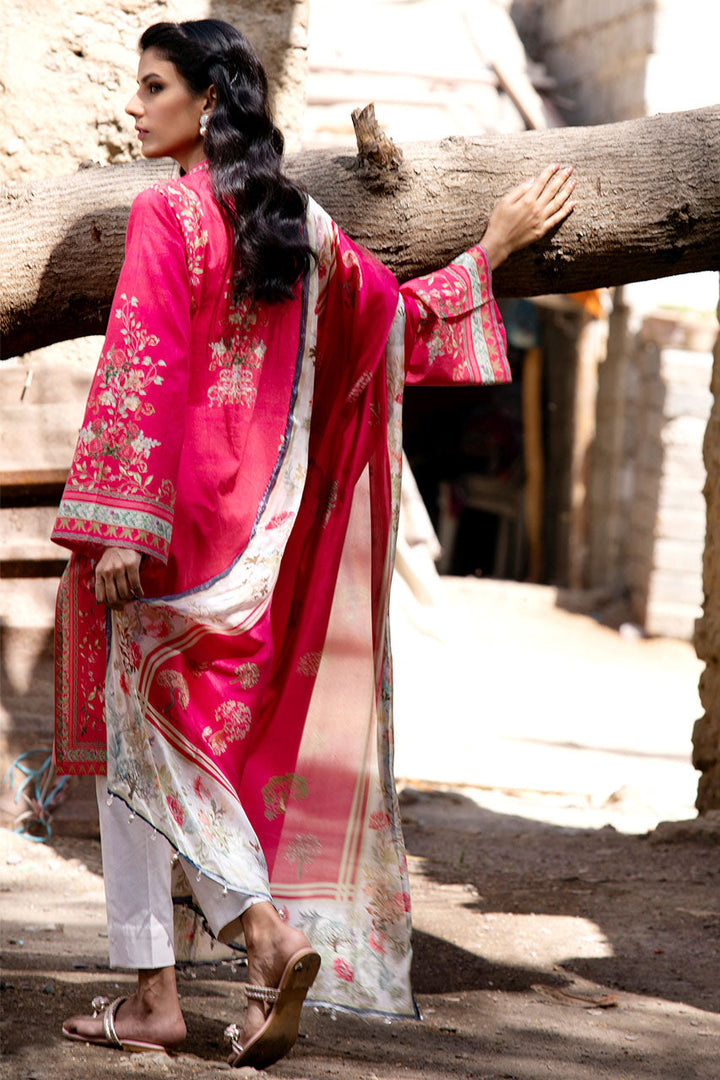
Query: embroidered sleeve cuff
x,y
82,525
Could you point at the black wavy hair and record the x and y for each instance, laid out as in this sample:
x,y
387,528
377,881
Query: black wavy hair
x,y
265,210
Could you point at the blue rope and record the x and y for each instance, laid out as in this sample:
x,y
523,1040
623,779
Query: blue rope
x,y
40,789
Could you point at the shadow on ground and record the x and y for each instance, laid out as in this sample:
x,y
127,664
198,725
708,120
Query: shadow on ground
x,y
657,905
503,905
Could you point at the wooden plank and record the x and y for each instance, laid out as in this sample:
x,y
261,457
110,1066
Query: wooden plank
x,y
27,480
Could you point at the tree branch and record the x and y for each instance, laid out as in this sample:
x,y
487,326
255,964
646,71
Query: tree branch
x,y
649,194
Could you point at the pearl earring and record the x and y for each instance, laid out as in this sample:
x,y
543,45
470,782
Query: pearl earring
x,y
204,118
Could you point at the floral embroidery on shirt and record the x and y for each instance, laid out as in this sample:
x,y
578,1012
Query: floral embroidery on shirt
x,y
238,359
113,444
343,970
91,648
355,281
187,208
359,386
236,719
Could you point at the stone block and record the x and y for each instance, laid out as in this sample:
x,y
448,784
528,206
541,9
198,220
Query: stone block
x,y
27,609
684,524
704,829
679,556
48,378
694,402
25,534
676,586
37,438
688,367
671,620
709,790
706,742
681,493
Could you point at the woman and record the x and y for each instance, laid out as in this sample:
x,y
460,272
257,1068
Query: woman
x,y
222,625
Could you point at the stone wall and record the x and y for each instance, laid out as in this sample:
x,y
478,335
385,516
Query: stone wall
x,y
68,70
673,364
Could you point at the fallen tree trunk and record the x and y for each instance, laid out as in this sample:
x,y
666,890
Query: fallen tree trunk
x,y
649,195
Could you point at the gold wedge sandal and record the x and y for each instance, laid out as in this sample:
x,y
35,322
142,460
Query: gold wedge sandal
x,y
278,1034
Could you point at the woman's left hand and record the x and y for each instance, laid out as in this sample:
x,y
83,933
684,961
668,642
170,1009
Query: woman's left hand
x,y
117,577
528,212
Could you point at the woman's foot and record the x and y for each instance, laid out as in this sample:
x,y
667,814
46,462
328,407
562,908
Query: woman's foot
x,y
270,944
151,1015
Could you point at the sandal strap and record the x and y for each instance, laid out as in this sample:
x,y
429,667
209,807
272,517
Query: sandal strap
x,y
257,993
102,1006
260,993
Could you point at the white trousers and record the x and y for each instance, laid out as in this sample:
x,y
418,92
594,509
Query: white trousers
x,y
137,865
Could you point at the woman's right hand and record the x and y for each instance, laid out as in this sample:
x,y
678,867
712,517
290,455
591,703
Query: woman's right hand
x,y
117,577
528,212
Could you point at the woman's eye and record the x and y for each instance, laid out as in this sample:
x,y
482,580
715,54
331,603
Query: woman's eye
x,y
154,88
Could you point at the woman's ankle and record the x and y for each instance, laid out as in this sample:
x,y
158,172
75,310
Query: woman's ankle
x,y
260,921
157,989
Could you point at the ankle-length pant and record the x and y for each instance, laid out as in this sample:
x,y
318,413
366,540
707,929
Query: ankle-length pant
x,y
137,866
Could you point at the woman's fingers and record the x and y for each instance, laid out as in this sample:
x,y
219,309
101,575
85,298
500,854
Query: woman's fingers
x,y
117,577
553,200
517,193
133,580
529,211
111,589
559,215
560,205
551,180
552,185
560,189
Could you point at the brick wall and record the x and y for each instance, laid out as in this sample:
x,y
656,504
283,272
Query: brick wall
x,y
672,403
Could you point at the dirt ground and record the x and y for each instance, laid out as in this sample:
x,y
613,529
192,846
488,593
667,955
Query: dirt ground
x,y
512,918
560,931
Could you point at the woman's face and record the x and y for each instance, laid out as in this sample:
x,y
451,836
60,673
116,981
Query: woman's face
x,y
166,113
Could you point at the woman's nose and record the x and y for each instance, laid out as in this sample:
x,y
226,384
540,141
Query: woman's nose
x,y
133,107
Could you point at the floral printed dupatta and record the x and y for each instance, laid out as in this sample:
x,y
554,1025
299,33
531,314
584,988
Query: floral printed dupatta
x,y
248,713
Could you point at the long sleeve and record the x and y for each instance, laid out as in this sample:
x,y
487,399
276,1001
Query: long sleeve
x,y
121,487
453,329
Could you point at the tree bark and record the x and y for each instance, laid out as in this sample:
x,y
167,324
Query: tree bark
x,y
649,195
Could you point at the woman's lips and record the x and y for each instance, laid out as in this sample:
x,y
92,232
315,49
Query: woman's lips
x,y
141,133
